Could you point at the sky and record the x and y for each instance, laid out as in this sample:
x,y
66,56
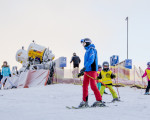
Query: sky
x,y
61,24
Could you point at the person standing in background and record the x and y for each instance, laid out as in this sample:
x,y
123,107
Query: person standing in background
x,y
147,73
76,61
6,74
98,72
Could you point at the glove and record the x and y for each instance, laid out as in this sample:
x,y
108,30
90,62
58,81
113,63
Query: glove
x,y
9,75
99,77
142,76
113,76
81,72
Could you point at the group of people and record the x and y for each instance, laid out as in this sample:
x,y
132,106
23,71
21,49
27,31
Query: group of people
x,y
99,77
5,75
92,74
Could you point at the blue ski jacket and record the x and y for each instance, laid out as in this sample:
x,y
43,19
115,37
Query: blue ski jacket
x,y
91,58
5,71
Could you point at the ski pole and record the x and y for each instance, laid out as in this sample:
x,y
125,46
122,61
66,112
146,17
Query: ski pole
x,y
116,85
71,71
142,78
117,81
141,75
100,82
118,92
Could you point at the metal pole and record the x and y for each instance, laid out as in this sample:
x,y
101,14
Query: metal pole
x,y
127,38
134,75
127,42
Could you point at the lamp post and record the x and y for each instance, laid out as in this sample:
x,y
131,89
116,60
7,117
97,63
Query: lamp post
x,y
127,36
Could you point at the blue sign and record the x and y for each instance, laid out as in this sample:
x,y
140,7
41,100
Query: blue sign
x,y
114,60
128,63
62,62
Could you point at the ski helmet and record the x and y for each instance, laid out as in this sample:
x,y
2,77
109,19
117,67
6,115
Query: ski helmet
x,y
148,63
99,66
74,54
105,64
86,42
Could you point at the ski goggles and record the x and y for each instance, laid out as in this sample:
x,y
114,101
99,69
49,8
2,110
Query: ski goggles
x,y
86,40
106,66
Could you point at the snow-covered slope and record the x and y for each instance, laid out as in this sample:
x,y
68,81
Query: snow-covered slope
x,y
49,103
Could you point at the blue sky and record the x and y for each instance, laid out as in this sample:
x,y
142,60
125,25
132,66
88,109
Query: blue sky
x,y
60,24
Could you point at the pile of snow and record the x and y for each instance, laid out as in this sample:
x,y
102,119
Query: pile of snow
x,y
49,103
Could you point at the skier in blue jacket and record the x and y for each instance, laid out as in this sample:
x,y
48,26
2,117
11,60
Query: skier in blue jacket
x,y
6,74
90,74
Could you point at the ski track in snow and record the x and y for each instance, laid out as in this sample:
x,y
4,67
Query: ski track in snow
x,y
49,103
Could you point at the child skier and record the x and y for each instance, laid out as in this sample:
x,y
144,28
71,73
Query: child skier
x,y
98,83
98,72
147,73
90,71
106,77
6,75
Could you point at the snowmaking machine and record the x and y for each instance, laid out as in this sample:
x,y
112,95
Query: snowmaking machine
x,y
35,58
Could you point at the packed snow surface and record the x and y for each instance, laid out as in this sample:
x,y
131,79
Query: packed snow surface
x,y
49,103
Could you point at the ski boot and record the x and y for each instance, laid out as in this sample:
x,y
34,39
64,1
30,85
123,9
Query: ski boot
x,y
83,104
115,99
147,93
98,104
13,87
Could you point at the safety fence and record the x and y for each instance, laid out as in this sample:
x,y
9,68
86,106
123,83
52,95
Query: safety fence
x,y
68,76
124,76
28,79
129,77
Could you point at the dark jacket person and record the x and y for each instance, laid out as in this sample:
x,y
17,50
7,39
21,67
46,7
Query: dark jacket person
x,y
76,60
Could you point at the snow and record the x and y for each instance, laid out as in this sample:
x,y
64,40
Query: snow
x,y
49,103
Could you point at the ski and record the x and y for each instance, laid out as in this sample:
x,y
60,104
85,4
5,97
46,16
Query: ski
x,y
146,94
68,107
73,107
115,101
105,94
79,107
